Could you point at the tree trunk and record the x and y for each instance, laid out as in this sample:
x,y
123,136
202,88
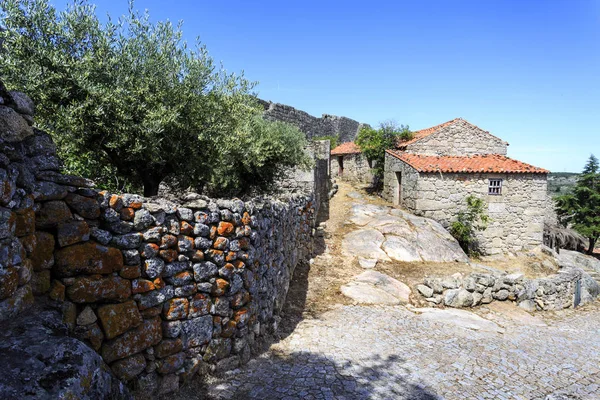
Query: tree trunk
x,y
151,182
590,250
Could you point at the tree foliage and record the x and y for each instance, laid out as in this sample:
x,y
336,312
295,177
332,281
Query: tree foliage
x,y
129,103
580,209
374,142
468,222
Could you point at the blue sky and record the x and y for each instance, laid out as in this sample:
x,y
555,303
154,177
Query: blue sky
x,y
526,70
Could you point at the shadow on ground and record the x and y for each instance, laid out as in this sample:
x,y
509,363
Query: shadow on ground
x,y
305,375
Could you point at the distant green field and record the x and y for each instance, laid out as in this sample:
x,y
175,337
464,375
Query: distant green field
x,y
561,182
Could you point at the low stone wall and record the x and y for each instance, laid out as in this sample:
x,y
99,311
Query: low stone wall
x,y
162,290
555,292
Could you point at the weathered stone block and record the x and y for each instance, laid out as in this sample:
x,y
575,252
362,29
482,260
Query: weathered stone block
x,y
13,128
130,367
168,347
8,223
119,318
204,270
198,330
87,258
141,286
57,291
84,206
9,281
142,219
171,364
25,223
130,272
86,317
44,191
217,350
133,341
225,228
127,241
52,213
25,272
96,288
43,255
176,309
68,233
155,297
12,306
40,282
153,267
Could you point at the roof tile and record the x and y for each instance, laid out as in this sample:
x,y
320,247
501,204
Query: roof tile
x,y
488,163
346,148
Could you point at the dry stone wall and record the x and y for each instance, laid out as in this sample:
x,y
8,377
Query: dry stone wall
x,y
459,139
18,156
555,292
345,129
162,290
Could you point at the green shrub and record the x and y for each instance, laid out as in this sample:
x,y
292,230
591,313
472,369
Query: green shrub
x,y
580,209
129,104
374,142
473,219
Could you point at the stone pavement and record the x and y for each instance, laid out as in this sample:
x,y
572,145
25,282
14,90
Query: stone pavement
x,y
389,352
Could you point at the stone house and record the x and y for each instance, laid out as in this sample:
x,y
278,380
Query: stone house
x,y
349,164
432,174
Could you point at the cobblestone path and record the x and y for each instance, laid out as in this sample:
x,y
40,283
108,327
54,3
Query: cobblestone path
x,y
391,353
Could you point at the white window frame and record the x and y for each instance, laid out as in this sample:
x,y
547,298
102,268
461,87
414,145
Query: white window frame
x,y
495,187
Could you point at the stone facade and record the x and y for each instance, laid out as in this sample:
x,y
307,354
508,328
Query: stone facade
x,y
161,289
355,168
345,129
403,191
517,215
458,139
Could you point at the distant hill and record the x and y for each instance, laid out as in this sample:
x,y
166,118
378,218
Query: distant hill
x,y
561,182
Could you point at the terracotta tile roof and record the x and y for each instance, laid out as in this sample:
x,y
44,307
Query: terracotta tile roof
x,y
489,163
346,148
418,135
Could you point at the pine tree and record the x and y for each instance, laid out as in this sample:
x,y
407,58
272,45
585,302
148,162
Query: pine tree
x,y
581,208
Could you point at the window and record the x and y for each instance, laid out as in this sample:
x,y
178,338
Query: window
x,y
495,187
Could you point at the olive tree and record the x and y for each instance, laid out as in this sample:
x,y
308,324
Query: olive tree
x,y
129,103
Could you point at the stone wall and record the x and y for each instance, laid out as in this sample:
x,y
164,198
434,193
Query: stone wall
x,y
459,139
18,157
314,179
391,190
356,169
161,290
555,292
345,129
